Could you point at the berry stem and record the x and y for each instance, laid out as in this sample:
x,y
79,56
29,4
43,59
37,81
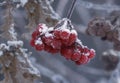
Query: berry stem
x,y
71,9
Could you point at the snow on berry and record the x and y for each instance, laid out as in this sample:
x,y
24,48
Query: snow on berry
x,y
65,34
62,39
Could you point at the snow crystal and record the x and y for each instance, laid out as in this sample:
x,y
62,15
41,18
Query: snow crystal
x,y
15,43
67,30
23,2
4,46
48,35
44,29
87,54
74,32
39,41
12,31
64,25
50,28
79,42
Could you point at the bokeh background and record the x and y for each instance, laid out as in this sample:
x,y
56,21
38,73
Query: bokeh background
x,y
55,68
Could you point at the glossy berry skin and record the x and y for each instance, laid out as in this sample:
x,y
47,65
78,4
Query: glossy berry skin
x,y
57,34
39,47
56,44
35,34
47,40
76,56
50,49
67,53
83,60
32,42
64,35
72,38
92,54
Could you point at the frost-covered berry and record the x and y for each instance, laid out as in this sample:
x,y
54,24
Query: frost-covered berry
x,y
35,34
92,53
56,44
47,40
83,60
64,34
67,53
72,37
50,49
76,56
62,39
39,47
57,34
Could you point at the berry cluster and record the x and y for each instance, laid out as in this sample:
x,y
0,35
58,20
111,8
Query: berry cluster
x,y
106,29
61,39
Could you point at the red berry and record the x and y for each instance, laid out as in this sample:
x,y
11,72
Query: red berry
x,y
65,34
76,56
72,38
67,53
47,40
80,48
56,44
50,49
86,50
47,48
39,27
92,54
54,50
83,60
39,47
57,34
65,42
32,42
35,34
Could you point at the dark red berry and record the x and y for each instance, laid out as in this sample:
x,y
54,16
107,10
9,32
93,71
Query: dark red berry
x,y
56,44
47,40
57,34
65,34
72,38
35,34
92,54
76,56
32,42
39,47
67,53
83,60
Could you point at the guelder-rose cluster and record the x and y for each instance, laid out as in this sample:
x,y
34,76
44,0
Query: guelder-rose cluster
x,y
61,39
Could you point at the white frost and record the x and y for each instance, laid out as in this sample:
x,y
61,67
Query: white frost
x,y
15,43
23,2
12,31
74,32
48,35
38,41
67,30
50,28
44,28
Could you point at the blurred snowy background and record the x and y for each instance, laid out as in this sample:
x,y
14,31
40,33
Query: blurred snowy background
x,y
56,69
